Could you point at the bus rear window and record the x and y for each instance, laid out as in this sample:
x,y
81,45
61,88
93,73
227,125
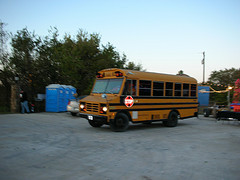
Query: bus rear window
x,y
108,86
193,90
185,89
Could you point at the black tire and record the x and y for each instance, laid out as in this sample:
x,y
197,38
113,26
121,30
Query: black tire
x,y
120,123
172,120
73,114
95,123
206,112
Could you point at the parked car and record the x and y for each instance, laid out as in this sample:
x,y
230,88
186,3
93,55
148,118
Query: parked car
x,y
213,110
73,106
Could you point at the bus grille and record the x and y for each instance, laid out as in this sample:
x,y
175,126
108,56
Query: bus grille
x,y
92,107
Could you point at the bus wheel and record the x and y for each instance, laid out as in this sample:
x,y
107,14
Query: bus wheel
x,y
94,123
172,120
120,123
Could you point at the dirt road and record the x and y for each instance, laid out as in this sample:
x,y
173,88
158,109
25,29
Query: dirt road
x,y
59,146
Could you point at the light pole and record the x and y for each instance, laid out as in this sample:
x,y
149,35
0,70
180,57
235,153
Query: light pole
x,y
203,63
228,96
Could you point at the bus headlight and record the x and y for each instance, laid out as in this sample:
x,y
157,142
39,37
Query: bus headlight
x,y
104,109
82,107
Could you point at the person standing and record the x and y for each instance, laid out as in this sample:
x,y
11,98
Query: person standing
x,y
24,102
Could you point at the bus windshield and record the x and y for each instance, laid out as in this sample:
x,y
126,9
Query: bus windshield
x,y
107,86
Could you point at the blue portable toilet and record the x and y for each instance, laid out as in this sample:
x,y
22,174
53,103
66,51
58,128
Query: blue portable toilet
x,y
62,100
203,95
72,91
66,97
54,98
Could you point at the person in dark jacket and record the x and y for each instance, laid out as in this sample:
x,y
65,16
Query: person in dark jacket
x,y
24,102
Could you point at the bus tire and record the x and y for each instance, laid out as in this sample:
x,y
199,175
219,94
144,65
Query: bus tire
x,y
120,123
94,123
172,120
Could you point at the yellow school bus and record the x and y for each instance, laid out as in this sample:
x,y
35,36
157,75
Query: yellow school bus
x,y
120,96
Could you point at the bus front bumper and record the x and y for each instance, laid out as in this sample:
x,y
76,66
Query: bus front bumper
x,y
97,118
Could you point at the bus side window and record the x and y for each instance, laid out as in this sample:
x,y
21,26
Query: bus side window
x,y
134,87
130,87
169,89
178,89
145,88
185,89
193,90
158,88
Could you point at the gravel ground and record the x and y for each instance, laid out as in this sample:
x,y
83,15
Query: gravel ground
x,y
59,146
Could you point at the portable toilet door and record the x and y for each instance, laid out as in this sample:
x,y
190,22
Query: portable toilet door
x,y
203,95
53,92
62,96
72,91
66,97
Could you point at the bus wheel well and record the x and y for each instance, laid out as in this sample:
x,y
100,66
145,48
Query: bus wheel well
x,y
125,112
174,110
172,120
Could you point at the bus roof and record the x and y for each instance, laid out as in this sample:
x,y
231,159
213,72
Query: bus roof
x,y
132,74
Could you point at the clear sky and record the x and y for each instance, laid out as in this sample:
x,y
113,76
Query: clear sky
x,y
163,35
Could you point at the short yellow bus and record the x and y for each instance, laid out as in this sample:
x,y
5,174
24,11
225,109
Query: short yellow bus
x,y
120,96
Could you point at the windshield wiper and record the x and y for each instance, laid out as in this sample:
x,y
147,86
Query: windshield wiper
x,y
109,92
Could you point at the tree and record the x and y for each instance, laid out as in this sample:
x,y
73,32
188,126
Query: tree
x,y
46,63
133,66
180,72
225,77
3,45
6,75
25,47
74,60
220,80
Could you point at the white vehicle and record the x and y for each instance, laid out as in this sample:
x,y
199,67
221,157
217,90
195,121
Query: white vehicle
x,y
73,106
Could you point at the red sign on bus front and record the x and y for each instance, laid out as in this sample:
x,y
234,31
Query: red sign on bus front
x,y
129,101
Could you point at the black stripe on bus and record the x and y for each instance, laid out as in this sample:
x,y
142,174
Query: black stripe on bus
x,y
136,104
160,97
153,109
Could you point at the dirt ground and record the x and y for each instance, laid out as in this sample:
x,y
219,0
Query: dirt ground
x,y
59,146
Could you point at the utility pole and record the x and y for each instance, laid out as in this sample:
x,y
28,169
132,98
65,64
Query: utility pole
x,y
203,63
228,96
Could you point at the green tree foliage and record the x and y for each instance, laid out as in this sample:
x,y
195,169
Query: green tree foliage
x,y
220,80
24,54
133,66
72,61
5,72
225,77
